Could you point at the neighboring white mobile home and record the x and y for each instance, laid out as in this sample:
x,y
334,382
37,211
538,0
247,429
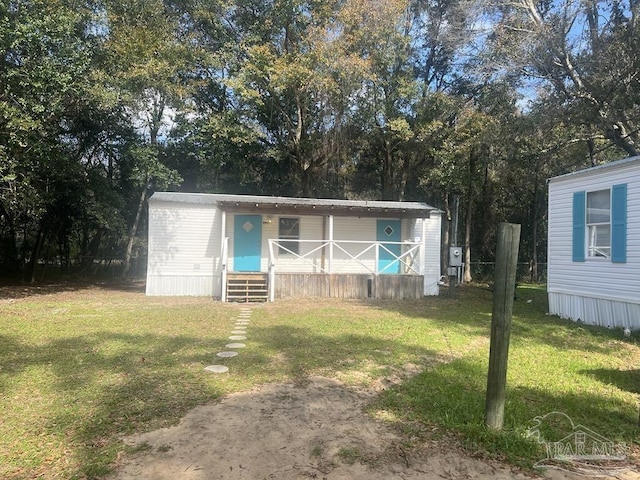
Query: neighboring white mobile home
x,y
240,247
594,245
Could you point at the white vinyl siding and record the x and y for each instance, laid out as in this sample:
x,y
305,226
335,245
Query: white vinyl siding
x,y
431,236
186,238
575,287
310,229
183,249
355,229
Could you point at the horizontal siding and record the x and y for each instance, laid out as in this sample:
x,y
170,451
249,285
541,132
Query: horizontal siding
x,y
356,229
595,278
344,228
184,241
310,229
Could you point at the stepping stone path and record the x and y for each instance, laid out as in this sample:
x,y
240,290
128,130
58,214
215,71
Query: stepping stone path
x,y
239,332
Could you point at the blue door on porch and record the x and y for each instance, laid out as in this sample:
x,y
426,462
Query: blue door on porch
x,y
247,243
388,231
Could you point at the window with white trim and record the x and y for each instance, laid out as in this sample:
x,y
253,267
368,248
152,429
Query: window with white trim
x,y
598,223
289,234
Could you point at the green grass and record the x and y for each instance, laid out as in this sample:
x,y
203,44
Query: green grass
x,y
81,368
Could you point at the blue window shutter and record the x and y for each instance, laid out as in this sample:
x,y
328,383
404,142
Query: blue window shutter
x,y
579,218
619,223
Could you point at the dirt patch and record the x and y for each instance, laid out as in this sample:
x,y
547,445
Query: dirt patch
x,y
284,431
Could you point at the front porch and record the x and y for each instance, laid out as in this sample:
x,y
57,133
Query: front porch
x,y
329,268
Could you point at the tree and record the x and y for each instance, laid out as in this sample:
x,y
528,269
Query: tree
x,y
146,63
586,52
293,86
46,58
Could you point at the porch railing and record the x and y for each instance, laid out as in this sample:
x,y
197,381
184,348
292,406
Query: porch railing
x,y
406,259
353,256
363,254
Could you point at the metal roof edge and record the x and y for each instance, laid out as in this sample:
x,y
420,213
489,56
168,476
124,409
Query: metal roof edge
x,y
216,198
597,168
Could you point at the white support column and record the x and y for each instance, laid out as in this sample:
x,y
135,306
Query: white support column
x,y
224,258
330,264
271,278
423,247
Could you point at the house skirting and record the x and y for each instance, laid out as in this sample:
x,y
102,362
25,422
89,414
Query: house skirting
x,y
348,285
183,285
610,313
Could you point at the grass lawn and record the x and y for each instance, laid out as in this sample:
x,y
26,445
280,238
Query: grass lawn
x,y
80,367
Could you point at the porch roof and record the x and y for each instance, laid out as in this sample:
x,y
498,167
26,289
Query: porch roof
x,y
301,206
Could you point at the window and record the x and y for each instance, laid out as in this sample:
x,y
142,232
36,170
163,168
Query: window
x,y
289,229
599,224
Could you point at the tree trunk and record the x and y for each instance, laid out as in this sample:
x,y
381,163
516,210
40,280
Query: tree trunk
x,y
388,192
306,178
133,231
10,244
37,249
467,239
534,226
618,134
469,218
446,236
91,251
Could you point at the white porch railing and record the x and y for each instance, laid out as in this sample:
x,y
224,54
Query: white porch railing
x,y
333,256
353,257
406,259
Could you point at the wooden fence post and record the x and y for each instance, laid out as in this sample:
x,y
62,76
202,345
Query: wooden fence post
x,y
503,293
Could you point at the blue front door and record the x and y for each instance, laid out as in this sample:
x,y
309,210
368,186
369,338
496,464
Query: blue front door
x,y
247,243
388,231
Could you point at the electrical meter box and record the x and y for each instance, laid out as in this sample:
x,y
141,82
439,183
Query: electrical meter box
x,y
455,256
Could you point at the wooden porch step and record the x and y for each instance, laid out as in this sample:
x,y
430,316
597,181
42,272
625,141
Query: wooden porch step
x,y
247,287
247,276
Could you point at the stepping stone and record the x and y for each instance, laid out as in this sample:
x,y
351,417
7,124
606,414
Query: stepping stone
x,y
217,369
238,332
235,345
237,337
227,354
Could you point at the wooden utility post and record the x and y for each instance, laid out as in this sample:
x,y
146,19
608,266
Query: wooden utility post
x,y
503,293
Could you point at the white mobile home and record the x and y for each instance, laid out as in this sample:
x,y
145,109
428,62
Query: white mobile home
x,y
594,245
240,247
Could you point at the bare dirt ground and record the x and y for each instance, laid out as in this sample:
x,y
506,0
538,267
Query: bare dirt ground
x,y
314,430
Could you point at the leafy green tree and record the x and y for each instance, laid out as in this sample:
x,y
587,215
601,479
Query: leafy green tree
x,y
46,60
293,86
586,53
147,63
